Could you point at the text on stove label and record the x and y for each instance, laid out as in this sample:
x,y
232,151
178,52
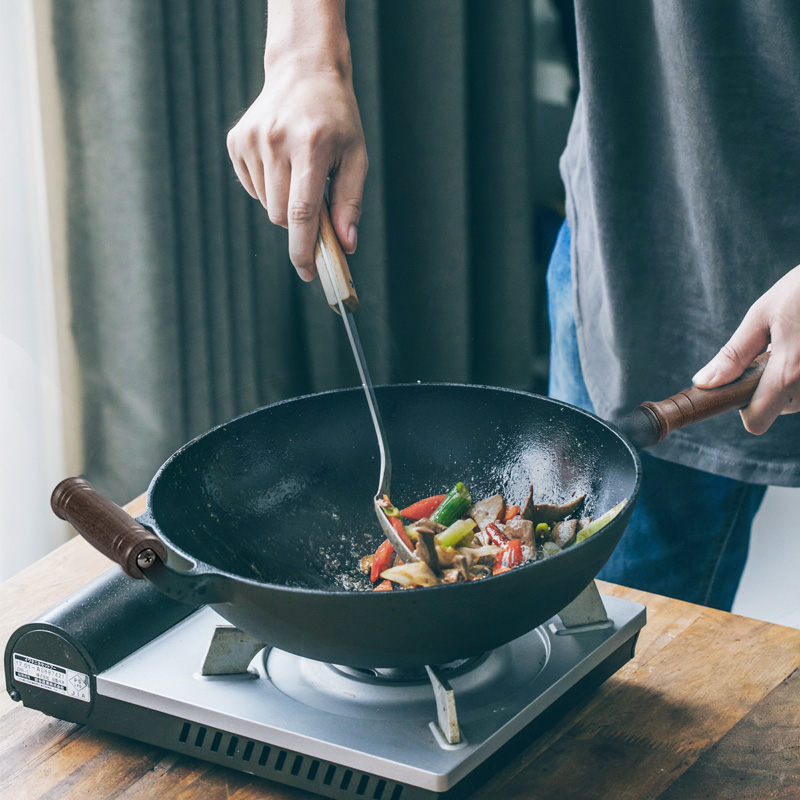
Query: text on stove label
x,y
51,677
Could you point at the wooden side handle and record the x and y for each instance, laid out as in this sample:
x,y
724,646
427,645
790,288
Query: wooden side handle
x,y
694,405
328,245
106,526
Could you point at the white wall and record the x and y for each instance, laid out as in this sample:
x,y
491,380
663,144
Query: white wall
x,y
31,430
770,587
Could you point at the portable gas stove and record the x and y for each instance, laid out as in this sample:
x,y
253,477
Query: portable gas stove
x,y
120,656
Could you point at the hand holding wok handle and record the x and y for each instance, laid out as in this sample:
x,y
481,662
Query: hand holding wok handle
x,y
107,527
332,265
650,422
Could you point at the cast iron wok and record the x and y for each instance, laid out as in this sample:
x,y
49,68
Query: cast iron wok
x,y
266,517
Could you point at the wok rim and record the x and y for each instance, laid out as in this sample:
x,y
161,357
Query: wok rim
x,y
207,571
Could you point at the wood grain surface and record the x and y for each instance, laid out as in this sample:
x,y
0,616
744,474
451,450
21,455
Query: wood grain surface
x,y
708,708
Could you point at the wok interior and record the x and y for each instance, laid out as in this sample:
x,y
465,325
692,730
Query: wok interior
x,y
283,495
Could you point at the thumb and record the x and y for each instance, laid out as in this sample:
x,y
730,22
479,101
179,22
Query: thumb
x,y
749,340
346,193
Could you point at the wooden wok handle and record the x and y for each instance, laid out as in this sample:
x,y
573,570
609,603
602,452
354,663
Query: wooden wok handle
x,y
694,405
328,241
106,526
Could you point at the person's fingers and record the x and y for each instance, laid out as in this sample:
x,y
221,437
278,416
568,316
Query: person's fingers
x,y
279,176
245,163
255,168
778,391
306,192
346,193
749,340
242,173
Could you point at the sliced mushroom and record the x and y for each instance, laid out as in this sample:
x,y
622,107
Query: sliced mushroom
x,y
429,525
480,555
521,529
527,507
365,565
426,550
413,573
479,571
462,565
545,512
487,511
452,576
564,532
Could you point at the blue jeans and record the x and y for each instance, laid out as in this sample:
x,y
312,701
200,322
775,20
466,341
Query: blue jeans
x,y
689,533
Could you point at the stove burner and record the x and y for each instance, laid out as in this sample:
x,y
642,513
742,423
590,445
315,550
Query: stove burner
x,y
408,674
350,692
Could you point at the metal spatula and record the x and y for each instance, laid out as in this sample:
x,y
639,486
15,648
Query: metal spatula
x,y
334,274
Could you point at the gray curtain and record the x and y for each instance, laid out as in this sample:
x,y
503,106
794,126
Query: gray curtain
x,y
185,309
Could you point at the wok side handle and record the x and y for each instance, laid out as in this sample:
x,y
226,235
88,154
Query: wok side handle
x,y
106,526
653,421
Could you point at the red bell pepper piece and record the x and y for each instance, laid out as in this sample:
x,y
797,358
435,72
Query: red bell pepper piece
x,y
508,557
383,586
493,532
423,508
512,554
397,524
511,512
381,560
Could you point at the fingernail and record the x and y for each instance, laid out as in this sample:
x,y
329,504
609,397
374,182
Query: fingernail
x,y
705,375
352,236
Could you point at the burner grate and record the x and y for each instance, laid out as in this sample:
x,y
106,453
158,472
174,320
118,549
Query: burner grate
x,y
287,766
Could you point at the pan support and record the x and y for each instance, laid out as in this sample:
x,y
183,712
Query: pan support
x,y
585,613
231,651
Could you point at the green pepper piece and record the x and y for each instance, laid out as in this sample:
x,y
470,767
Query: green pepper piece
x,y
458,500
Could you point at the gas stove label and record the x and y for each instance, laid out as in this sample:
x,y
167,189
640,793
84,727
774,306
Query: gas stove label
x,y
51,677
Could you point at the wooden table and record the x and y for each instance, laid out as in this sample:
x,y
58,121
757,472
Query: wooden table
x,y
708,708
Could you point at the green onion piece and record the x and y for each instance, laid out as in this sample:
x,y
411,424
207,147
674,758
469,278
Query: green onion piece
x,y
388,508
599,523
550,549
458,500
542,529
456,533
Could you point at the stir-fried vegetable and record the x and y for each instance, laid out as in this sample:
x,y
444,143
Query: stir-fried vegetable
x,y
456,541
415,573
455,503
509,556
423,508
382,560
600,522
457,532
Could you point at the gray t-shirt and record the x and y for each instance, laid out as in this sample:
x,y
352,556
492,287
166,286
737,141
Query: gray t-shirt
x,y
682,173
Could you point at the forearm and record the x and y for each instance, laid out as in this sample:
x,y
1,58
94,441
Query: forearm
x,y
311,30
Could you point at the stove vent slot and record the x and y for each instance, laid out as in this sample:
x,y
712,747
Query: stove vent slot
x,y
248,751
296,769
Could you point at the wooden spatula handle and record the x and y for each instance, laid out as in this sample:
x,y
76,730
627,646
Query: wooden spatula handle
x,y
338,264
694,405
